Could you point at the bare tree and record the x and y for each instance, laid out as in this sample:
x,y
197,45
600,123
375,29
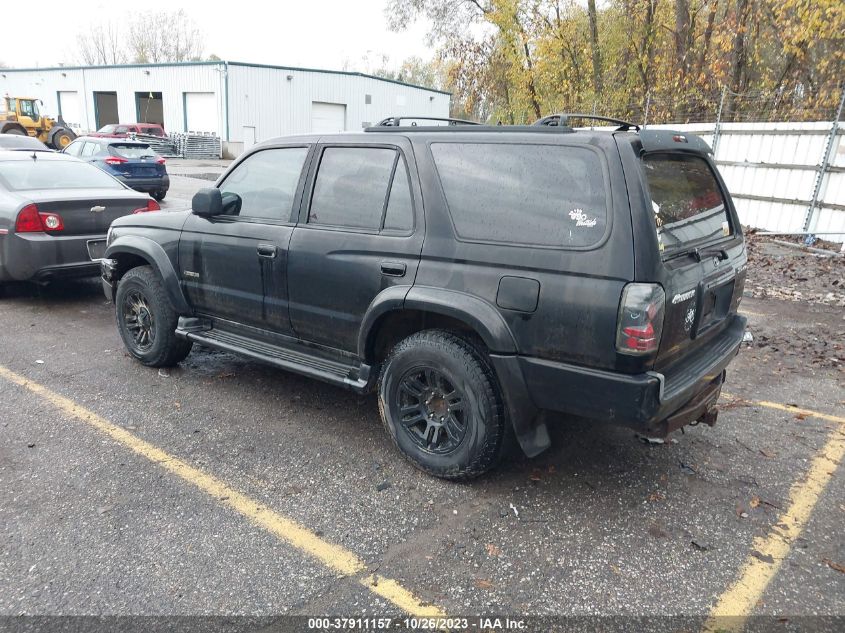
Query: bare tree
x,y
101,45
164,36
148,38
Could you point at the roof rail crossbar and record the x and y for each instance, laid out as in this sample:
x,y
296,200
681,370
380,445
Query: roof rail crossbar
x,y
562,119
396,121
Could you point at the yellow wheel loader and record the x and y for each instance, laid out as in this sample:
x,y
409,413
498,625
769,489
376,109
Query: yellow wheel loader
x,y
20,115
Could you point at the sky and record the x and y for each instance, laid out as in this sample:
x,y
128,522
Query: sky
x,y
330,34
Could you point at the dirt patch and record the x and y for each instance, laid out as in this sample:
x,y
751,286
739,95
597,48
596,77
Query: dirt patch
x,y
776,271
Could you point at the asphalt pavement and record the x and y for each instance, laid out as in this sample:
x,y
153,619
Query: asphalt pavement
x,y
127,490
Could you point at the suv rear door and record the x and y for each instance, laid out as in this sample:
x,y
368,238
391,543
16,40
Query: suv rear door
x,y
361,231
700,257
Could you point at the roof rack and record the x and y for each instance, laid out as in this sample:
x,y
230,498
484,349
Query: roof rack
x,y
396,121
562,119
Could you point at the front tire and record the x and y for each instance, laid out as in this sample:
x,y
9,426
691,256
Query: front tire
x,y
62,138
147,321
159,195
441,403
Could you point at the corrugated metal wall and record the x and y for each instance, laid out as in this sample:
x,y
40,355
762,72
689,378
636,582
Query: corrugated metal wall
x,y
264,98
170,80
771,171
258,97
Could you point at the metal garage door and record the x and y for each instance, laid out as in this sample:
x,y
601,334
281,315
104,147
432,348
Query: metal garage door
x,y
69,108
201,112
327,118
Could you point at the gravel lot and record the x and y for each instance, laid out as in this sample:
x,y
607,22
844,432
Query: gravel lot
x,y
602,523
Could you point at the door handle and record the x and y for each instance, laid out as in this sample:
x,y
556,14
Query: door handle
x,y
267,250
393,269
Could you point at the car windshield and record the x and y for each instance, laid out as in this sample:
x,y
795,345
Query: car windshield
x,y
128,150
686,200
24,175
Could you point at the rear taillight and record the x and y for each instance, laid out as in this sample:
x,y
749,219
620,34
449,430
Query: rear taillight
x,y
640,321
152,205
31,220
115,160
160,160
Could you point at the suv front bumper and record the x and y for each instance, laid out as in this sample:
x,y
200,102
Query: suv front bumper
x,y
652,402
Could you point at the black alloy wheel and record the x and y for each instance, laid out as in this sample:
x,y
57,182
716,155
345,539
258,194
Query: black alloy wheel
x,y
432,410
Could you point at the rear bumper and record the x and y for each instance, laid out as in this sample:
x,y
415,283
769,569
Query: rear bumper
x,y
41,257
651,402
147,185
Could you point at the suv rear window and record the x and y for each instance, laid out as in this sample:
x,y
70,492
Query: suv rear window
x,y
544,195
131,151
688,205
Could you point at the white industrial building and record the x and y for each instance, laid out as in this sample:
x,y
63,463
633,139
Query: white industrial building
x,y
241,103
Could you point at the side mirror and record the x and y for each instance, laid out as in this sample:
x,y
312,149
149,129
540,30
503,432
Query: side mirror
x,y
207,202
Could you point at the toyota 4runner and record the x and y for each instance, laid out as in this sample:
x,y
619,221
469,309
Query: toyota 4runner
x,y
477,277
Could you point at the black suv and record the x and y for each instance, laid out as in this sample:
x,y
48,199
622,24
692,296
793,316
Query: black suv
x,y
478,277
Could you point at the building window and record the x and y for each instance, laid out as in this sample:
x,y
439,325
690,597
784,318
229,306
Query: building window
x,y
368,99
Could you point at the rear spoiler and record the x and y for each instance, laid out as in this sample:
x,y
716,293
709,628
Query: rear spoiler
x,y
657,140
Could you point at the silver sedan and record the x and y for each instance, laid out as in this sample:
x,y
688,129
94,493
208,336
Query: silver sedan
x,y
55,211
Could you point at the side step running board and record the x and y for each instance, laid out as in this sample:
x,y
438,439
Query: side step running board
x,y
351,377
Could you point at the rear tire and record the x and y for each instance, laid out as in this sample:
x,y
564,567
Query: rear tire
x,y
147,321
16,131
441,403
159,195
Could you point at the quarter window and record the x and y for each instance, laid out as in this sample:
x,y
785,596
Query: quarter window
x,y
545,195
351,187
399,215
264,185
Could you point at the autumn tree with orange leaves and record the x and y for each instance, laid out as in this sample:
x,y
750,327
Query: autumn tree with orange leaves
x,y
514,60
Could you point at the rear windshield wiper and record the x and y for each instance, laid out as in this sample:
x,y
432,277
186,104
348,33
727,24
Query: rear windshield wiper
x,y
698,254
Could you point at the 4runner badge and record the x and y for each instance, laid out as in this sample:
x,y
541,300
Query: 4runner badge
x,y
684,296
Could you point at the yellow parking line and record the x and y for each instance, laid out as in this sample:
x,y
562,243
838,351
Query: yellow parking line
x,y
334,557
750,313
789,409
739,601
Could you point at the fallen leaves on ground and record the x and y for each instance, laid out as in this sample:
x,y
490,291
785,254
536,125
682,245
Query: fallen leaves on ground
x,y
837,566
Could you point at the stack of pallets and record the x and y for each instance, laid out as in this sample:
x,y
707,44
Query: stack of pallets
x,y
161,145
196,145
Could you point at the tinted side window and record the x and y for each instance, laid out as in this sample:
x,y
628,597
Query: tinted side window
x,y
351,187
400,212
263,186
547,195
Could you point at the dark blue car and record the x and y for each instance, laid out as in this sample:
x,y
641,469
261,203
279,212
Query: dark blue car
x,y
132,162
